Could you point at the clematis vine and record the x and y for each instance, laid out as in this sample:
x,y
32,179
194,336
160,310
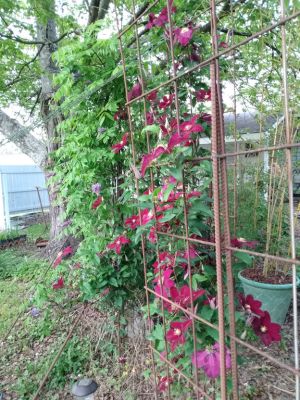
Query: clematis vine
x,y
152,96
165,260
241,242
132,222
267,330
165,279
149,158
59,284
250,305
183,36
97,202
211,301
184,295
175,335
149,118
166,101
164,383
118,243
161,19
116,148
203,95
209,360
68,251
136,91
185,131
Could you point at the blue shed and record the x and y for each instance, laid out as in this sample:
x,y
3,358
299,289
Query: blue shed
x,y
18,191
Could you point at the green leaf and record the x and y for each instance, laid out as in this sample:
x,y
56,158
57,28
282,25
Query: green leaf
x,y
207,313
168,191
167,217
151,128
196,279
244,257
158,332
176,172
113,282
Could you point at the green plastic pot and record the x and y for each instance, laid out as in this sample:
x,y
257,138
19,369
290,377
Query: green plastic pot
x,y
275,299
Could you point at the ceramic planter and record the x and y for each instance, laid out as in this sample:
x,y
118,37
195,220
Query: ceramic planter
x,y
275,299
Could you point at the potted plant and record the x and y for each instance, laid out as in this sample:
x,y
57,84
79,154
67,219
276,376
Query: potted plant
x,y
271,281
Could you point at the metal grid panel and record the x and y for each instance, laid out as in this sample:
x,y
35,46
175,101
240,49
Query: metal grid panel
x,y
221,220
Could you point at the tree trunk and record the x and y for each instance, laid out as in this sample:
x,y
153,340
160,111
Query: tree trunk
x,y
46,32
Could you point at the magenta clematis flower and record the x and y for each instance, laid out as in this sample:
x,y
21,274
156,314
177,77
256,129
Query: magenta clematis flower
x,y
136,91
209,360
190,126
203,95
241,242
175,334
160,291
267,330
67,251
170,128
152,96
194,193
150,23
149,118
195,56
186,129
165,260
152,237
120,115
97,202
149,158
116,148
61,255
183,35
96,187
250,305
59,284
211,301
166,101
164,383
161,19
165,279
223,45
132,222
118,243
205,118
184,295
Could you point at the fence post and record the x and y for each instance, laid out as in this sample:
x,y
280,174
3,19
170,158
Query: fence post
x,y
4,205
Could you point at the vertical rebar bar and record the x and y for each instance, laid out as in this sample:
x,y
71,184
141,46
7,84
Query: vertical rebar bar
x,y
288,134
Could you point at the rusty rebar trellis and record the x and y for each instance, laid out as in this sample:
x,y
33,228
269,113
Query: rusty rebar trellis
x,y
222,241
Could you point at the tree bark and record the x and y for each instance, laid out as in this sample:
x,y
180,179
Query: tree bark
x,y
18,134
46,32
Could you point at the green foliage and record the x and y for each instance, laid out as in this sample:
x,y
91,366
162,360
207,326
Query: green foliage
x,y
36,231
11,234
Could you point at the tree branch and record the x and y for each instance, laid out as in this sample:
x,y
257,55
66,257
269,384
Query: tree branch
x,y
35,42
16,79
18,134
